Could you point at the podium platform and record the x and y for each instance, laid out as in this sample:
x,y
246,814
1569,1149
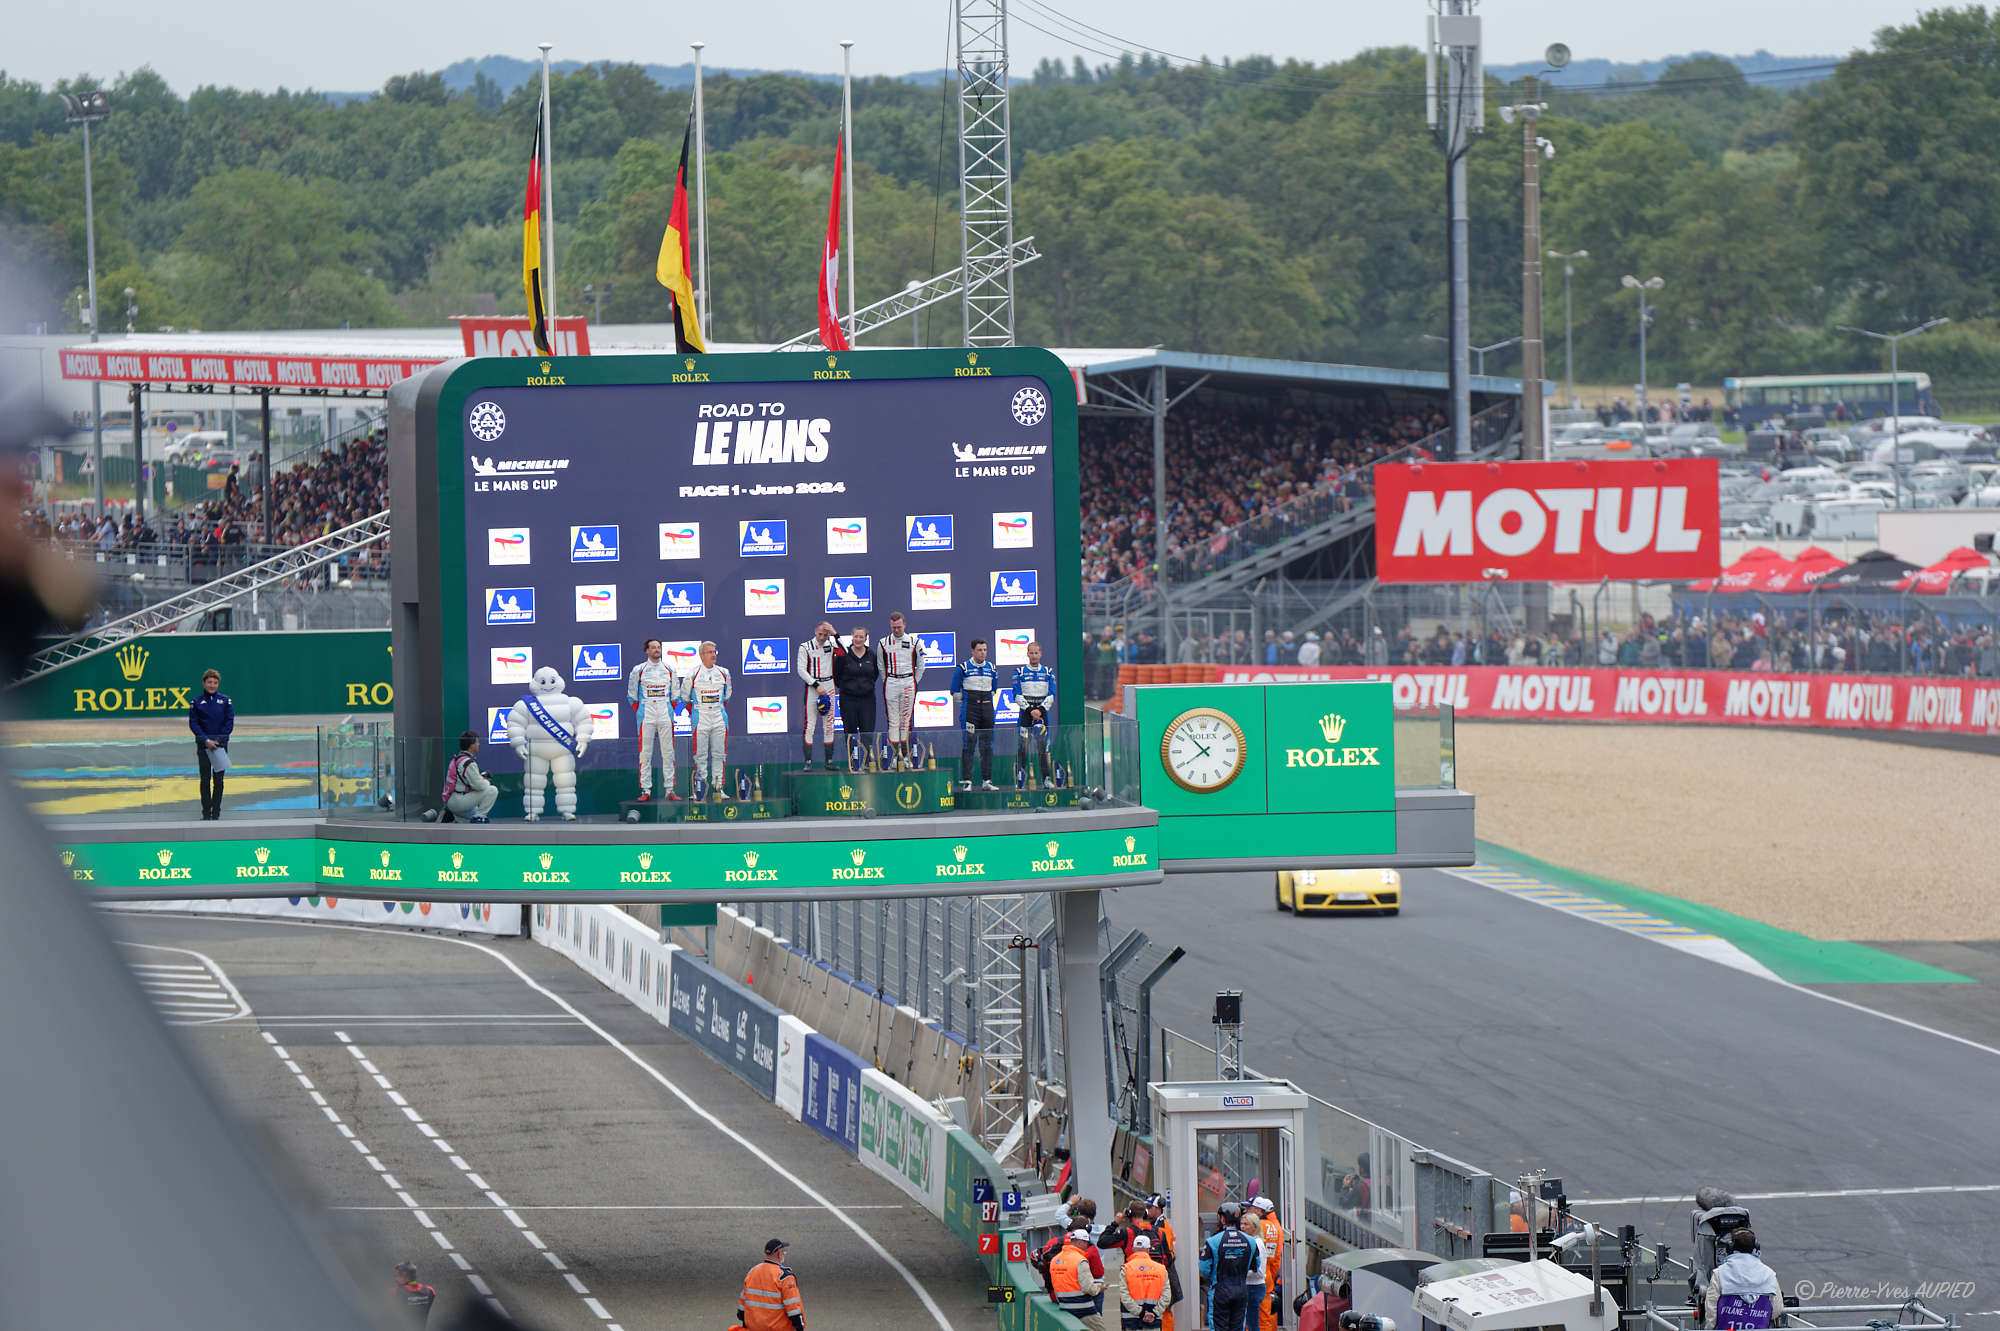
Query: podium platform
x,y
844,794
685,810
985,801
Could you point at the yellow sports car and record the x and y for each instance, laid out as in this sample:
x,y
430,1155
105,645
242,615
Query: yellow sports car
x,y
1312,890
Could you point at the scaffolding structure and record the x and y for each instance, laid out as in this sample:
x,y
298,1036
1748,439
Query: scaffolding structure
x,y
985,173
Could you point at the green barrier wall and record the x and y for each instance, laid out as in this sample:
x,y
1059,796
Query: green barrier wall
x,y
264,674
967,1162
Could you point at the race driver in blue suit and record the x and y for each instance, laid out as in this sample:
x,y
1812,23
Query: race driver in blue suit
x,y
974,682
1035,693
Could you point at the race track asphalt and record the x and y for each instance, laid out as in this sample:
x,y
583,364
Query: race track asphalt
x,y
482,1102
1511,1036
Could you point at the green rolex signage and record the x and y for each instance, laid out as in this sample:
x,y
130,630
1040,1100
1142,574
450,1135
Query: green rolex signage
x,y
1330,747
1285,771
326,860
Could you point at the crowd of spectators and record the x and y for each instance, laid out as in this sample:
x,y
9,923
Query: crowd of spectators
x,y
1861,643
309,499
1226,465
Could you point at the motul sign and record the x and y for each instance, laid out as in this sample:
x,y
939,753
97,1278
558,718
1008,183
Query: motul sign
x,y
1547,521
509,336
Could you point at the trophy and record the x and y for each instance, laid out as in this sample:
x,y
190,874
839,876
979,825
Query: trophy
x,y
757,783
917,755
854,753
700,789
1021,771
874,748
742,784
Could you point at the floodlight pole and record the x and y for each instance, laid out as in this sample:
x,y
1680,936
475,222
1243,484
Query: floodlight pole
x,y
1534,438
82,109
1457,112
1895,384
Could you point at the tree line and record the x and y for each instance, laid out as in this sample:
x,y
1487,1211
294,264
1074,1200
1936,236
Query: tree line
x,y
1255,207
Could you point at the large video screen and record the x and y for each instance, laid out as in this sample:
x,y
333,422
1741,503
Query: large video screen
x,y
597,515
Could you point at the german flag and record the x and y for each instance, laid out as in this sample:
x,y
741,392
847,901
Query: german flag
x,y
531,245
676,265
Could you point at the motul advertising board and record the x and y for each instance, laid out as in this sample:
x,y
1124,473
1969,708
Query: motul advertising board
x,y
509,336
1714,697
1578,521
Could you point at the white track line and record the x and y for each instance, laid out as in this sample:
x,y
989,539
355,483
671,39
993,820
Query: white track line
x,y
889,1259
1830,1194
1760,972
200,995
582,1206
533,1240
409,1205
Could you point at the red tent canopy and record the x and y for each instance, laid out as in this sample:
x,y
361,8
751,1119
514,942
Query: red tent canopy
x,y
1934,580
1805,572
1746,574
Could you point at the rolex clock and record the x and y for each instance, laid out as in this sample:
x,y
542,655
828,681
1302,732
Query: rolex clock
x,y
1203,750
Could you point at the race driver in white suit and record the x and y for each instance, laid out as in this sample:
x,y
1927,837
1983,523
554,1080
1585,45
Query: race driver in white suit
x,y
654,690
707,692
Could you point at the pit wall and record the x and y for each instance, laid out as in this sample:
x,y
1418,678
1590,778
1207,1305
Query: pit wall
x,y
820,1080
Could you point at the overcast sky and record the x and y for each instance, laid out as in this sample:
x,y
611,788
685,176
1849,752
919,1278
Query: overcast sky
x,y
357,44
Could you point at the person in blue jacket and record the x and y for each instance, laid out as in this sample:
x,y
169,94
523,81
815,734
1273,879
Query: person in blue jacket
x,y
974,682
211,717
1231,1262
1035,694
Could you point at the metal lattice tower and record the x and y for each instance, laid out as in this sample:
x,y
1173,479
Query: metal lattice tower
x,y
1002,932
985,173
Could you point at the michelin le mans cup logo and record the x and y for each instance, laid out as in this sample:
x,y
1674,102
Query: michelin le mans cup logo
x,y
750,858
645,859
132,660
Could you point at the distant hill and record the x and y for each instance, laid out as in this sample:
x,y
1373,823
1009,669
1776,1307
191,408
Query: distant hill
x,y
511,72
1757,68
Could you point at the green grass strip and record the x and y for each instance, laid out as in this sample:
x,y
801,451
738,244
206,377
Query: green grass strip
x,y
1791,956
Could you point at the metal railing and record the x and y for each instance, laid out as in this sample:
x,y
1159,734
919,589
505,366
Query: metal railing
x,y
1209,554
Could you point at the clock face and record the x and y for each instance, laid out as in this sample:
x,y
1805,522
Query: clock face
x,y
1203,749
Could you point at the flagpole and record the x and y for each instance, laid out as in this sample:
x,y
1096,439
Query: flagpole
x,y
548,197
704,300
847,138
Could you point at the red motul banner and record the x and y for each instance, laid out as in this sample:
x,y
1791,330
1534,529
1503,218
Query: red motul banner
x,y
1577,521
510,336
1714,697
240,369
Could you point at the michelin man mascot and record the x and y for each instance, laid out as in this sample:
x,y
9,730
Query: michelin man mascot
x,y
550,730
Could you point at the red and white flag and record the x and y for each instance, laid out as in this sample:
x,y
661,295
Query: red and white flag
x,y
831,334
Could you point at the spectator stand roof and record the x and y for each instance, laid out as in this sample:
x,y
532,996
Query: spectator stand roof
x,y
1106,363
364,363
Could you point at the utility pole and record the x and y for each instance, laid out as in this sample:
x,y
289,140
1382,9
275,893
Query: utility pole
x,y
1895,383
1534,439
1457,111
1569,271
84,109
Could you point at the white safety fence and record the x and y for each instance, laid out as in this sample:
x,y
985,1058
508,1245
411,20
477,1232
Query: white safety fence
x,y
883,1123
